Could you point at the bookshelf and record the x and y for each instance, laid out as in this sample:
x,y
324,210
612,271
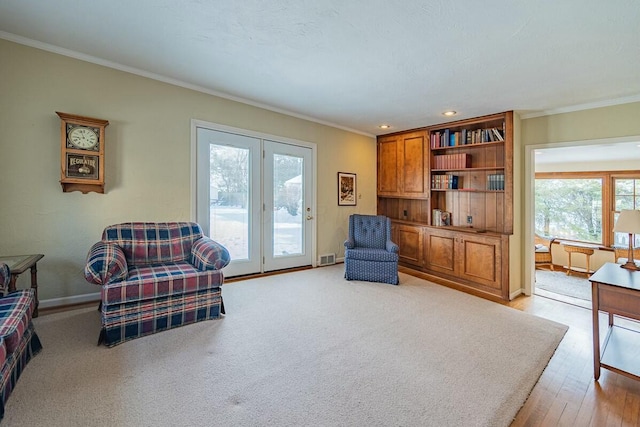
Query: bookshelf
x,y
448,190
471,175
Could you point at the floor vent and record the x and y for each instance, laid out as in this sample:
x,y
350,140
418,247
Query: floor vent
x,y
327,259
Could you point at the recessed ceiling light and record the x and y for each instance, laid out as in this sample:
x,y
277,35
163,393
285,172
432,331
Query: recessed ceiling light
x,y
449,113
384,126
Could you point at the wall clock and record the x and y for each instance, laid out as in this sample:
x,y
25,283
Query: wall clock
x,y
82,144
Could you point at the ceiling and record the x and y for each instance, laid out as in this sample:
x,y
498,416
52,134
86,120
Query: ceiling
x,y
357,64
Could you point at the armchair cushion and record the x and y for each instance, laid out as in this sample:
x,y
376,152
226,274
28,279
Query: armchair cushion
x,y
149,282
372,254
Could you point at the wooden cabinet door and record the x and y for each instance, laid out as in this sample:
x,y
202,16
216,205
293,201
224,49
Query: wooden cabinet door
x,y
440,246
403,165
388,166
480,259
409,239
413,165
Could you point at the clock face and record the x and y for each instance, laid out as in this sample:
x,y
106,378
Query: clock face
x,y
83,137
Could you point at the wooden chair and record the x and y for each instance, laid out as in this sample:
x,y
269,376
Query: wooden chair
x,y
620,254
543,251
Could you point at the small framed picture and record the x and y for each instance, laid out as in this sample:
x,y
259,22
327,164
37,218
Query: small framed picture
x,y
346,189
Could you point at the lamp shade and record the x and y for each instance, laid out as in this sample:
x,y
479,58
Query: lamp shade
x,y
628,222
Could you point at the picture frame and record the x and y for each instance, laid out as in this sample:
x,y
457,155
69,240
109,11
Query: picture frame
x,y
347,190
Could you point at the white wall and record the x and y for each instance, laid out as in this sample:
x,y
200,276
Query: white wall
x,y
147,154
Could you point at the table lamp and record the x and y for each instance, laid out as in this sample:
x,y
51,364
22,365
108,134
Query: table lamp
x,y
629,222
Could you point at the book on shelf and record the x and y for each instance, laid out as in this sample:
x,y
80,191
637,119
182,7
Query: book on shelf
x,y
495,182
440,218
446,182
452,161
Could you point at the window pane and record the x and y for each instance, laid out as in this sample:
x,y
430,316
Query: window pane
x,y
229,172
288,217
626,197
569,208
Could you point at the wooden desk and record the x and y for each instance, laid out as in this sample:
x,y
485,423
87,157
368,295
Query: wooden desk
x,y
571,248
616,291
18,264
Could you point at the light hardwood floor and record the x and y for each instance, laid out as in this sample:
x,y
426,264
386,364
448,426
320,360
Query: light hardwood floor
x,y
567,394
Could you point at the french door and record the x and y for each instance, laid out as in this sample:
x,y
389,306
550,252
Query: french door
x,y
255,196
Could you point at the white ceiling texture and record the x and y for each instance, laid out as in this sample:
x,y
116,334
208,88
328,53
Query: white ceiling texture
x,y
357,64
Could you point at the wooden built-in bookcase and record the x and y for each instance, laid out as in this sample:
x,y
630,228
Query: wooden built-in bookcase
x,y
448,190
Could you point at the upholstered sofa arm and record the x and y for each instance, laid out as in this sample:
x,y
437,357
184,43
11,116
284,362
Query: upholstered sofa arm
x,y
5,275
207,254
349,244
392,247
106,263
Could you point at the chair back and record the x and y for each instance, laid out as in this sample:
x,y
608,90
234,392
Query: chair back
x,y
146,243
5,278
369,231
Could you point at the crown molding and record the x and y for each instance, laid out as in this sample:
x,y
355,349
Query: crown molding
x,y
581,107
175,82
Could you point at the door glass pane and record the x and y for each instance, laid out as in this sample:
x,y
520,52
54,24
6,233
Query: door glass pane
x,y
229,199
288,215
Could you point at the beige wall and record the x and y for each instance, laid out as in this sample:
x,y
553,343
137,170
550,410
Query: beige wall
x,y
618,121
148,160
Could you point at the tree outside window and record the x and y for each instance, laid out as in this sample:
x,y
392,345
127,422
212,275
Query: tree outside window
x,y
569,208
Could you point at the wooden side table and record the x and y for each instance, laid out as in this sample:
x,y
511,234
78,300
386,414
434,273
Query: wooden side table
x,y
616,291
572,248
18,264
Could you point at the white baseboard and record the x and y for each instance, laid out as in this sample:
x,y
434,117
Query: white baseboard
x,y
76,299
513,295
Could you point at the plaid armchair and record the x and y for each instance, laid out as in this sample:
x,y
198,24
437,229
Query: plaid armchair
x,y
155,276
369,252
19,342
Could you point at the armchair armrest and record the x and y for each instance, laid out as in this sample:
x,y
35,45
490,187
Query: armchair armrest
x,y
106,263
392,247
207,254
349,244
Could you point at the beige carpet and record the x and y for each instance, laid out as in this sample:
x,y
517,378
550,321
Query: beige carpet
x,y
305,348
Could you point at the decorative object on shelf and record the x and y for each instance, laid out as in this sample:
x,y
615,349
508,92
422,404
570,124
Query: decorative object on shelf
x,y
629,222
82,141
347,189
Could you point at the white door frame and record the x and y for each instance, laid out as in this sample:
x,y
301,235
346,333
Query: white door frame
x,y
195,123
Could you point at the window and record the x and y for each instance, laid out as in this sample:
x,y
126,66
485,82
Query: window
x,y
583,206
626,196
569,208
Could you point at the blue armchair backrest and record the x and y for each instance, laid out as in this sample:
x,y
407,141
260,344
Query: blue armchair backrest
x,y
369,231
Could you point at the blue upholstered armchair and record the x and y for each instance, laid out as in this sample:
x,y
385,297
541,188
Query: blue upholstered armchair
x,y
369,252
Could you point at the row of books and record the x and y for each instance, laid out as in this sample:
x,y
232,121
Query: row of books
x,y
440,218
448,138
495,181
448,181
452,161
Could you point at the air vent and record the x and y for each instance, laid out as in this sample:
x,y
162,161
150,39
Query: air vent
x,y
327,259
